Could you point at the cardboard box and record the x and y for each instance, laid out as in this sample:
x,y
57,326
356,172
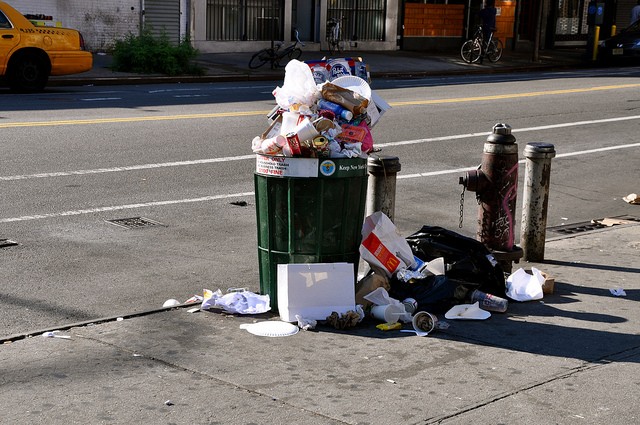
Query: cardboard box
x,y
314,291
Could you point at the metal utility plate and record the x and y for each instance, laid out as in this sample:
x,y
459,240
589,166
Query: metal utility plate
x,y
135,222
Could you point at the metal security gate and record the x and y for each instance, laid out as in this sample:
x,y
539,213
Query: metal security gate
x,y
362,20
162,17
236,20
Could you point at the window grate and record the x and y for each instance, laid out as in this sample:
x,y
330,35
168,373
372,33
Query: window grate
x,y
586,226
233,20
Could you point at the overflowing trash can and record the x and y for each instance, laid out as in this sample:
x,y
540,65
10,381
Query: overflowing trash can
x,y
309,210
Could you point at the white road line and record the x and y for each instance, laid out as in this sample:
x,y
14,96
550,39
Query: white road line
x,y
522,161
242,194
514,130
125,168
125,207
244,157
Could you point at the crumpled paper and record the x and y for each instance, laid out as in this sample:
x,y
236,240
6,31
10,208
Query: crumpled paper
x,y
343,321
521,286
632,198
242,302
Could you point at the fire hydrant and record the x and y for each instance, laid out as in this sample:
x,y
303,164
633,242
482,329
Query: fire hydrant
x,y
496,186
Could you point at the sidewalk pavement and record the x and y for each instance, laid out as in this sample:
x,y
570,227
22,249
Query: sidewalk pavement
x,y
220,67
571,358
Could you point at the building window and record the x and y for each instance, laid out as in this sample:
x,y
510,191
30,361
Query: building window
x,y
235,20
362,20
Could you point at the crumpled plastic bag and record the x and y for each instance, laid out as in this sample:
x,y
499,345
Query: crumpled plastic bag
x,y
298,88
243,302
521,286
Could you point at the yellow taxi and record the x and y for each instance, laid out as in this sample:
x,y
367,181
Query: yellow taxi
x,y
29,54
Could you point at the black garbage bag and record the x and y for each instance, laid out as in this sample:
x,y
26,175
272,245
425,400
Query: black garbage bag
x,y
467,259
435,294
470,266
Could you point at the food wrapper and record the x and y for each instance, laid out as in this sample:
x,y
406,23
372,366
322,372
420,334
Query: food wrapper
x,y
346,98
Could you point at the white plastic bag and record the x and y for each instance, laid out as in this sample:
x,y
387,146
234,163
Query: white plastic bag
x,y
521,286
243,302
299,87
383,246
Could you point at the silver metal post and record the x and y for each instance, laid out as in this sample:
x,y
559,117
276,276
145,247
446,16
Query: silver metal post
x,y
535,199
381,191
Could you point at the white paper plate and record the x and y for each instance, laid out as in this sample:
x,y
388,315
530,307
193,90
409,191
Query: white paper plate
x,y
467,312
271,328
355,84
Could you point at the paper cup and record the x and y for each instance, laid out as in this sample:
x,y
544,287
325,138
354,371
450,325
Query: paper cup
x,y
305,130
273,145
389,313
424,322
289,122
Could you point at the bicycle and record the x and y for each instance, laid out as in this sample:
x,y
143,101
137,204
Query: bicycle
x,y
475,48
275,55
334,35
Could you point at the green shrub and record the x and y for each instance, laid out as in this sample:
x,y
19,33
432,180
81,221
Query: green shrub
x,y
149,54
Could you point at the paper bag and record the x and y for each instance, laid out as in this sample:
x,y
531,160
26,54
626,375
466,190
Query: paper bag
x,y
383,246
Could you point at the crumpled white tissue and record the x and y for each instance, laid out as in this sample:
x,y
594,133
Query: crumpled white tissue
x,y
243,302
521,286
306,324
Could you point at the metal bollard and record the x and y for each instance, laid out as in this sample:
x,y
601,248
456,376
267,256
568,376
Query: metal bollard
x,y
535,199
381,192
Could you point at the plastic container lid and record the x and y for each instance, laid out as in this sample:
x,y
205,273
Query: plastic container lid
x,y
271,328
467,312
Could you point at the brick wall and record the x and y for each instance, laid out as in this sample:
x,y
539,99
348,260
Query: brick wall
x,y
101,22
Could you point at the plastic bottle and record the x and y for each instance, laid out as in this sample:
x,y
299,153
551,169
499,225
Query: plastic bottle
x,y
336,109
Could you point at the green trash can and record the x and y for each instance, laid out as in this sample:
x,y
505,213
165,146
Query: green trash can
x,y
309,210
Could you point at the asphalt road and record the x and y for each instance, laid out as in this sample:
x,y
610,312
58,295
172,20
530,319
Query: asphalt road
x,y
180,155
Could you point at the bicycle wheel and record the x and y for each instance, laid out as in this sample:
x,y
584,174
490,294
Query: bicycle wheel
x,y
471,51
494,50
260,58
295,54
333,46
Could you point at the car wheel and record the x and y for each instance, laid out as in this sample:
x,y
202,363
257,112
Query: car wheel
x,y
28,72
